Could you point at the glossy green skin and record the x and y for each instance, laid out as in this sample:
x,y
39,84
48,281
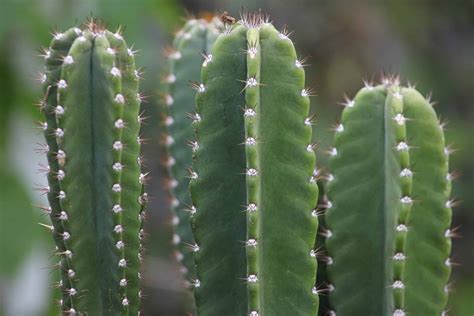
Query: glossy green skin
x,y
196,38
89,125
282,224
367,207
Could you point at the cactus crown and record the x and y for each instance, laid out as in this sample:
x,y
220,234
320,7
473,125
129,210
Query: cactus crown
x,y
388,210
252,183
91,108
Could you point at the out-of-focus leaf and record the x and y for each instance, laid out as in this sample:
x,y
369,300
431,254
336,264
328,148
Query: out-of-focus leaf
x,y
18,228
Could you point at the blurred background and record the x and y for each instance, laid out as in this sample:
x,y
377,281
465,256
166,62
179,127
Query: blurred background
x,y
428,42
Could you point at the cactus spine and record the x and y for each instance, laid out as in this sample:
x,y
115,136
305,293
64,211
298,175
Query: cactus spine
x,y
91,108
252,186
388,213
194,39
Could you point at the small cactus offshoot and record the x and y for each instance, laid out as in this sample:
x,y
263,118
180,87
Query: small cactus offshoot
x,y
388,213
95,193
252,183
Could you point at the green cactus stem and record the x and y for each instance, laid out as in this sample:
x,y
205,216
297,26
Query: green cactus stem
x,y
428,266
252,183
91,108
388,213
192,41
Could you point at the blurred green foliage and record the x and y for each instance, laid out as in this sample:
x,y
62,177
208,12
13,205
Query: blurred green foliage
x,y
18,223
462,303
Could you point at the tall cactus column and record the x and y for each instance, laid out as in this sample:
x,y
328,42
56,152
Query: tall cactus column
x,y
388,213
252,185
92,125
192,41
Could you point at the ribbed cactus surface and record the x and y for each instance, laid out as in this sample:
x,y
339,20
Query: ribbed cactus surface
x,y
192,41
252,183
95,186
388,214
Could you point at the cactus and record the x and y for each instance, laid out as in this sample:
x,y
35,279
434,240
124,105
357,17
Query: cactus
x,y
95,194
195,38
252,183
388,213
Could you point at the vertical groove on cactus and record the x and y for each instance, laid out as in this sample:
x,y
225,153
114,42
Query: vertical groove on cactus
x,y
373,188
194,39
91,111
350,263
252,186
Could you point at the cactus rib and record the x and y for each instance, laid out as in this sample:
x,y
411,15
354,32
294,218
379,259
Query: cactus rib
x,y
260,260
92,107
374,186
428,246
59,47
195,38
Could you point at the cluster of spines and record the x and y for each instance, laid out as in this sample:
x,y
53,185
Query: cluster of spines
x,y
252,99
132,196
398,121
395,98
59,59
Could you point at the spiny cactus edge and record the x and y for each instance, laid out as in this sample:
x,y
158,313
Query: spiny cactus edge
x,y
95,188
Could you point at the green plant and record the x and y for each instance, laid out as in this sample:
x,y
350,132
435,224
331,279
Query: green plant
x,y
248,238
95,188
389,212
195,38
252,183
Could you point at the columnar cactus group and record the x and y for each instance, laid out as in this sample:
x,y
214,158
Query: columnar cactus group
x,y
246,212
95,189
192,41
252,183
388,211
